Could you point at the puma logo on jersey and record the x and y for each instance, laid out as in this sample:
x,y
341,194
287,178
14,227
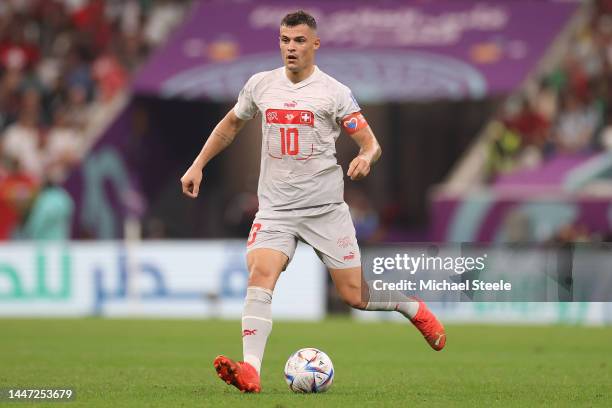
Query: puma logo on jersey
x,y
291,104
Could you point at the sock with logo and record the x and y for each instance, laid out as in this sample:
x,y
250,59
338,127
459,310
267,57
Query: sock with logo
x,y
393,301
256,324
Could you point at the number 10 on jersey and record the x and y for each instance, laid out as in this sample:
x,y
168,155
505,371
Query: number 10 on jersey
x,y
289,141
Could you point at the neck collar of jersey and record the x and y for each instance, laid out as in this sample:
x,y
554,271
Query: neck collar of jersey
x,y
303,82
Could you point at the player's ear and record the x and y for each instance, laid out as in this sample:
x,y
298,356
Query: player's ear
x,y
317,43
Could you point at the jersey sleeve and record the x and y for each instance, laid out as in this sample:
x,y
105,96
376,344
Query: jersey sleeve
x,y
345,103
245,107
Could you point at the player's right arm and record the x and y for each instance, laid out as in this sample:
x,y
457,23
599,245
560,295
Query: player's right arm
x,y
222,136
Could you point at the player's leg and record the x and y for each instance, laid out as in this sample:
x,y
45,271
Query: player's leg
x,y
355,292
332,234
269,251
265,266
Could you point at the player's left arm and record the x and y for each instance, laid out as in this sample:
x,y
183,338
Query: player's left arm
x,y
358,129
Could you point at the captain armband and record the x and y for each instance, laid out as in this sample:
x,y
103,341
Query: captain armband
x,y
354,122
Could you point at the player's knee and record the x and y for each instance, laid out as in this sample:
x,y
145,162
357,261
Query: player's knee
x,y
259,272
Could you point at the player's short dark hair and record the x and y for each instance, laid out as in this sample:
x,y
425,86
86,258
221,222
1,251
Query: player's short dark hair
x,y
297,18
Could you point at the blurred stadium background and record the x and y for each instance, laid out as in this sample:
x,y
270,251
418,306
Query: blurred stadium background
x,y
494,118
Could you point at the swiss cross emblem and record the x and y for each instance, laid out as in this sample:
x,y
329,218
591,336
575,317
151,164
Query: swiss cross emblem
x,y
305,117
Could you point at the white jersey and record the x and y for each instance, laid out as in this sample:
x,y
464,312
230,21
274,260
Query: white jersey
x,y
300,125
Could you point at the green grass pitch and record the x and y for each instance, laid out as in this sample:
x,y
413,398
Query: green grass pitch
x,y
165,363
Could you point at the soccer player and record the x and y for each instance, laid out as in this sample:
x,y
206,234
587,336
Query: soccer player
x,y
300,190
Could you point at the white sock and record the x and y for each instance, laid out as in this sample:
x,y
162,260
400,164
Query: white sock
x,y
393,301
256,324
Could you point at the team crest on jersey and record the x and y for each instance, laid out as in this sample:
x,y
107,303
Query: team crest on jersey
x,y
344,242
271,116
290,117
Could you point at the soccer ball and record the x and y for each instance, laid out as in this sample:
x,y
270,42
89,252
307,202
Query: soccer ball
x,y
309,370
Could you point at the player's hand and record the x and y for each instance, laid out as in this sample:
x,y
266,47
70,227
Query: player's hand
x,y
359,168
191,181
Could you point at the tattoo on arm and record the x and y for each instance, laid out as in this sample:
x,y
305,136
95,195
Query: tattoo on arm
x,y
225,139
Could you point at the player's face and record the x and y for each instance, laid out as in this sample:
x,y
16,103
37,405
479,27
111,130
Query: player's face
x,y
298,45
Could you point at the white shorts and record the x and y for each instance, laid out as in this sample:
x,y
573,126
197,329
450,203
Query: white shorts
x,y
328,229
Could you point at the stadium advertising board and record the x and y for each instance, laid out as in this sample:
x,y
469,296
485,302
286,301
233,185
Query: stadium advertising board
x,y
468,272
161,279
496,283
397,50
519,313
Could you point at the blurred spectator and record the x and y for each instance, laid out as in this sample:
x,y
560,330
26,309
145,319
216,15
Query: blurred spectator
x,y
61,63
62,148
9,96
575,125
564,112
545,102
109,75
77,107
16,52
17,191
530,125
21,141
89,18
503,150
51,216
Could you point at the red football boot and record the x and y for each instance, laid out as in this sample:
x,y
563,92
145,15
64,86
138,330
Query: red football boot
x,y
429,325
238,373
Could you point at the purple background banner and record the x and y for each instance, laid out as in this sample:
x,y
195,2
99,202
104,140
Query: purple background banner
x,y
105,187
391,50
535,203
467,220
552,172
